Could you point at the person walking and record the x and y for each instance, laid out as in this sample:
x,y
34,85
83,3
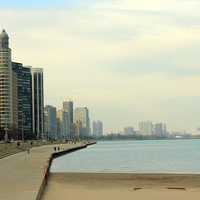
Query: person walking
x,y
28,151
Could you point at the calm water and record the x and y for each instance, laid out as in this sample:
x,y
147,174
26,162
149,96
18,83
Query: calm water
x,y
180,156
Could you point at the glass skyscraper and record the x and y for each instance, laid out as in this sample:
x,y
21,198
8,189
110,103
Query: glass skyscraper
x,y
24,96
38,102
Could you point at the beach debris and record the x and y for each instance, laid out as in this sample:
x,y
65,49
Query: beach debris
x,y
176,188
137,188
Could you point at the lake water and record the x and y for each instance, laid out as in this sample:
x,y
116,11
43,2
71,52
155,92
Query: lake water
x,y
150,156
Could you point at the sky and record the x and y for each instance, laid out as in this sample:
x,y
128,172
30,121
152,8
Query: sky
x,y
127,60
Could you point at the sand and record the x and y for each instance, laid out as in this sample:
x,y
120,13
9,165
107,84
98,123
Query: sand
x,y
92,186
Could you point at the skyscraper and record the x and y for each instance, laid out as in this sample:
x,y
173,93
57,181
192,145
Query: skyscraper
x,y
6,88
160,130
50,122
97,128
82,117
38,102
63,121
78,129
146,128
24,100
68,107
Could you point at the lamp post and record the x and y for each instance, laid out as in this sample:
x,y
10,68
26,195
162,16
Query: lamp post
x,y
22,127
6,135
6,130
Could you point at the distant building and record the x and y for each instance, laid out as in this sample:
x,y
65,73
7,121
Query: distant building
x,y
68,107
58,124
50,122
78,129
129,131
7,114
97,128
63,121
146,128
38,102
160,130
82,116
59,117
24,100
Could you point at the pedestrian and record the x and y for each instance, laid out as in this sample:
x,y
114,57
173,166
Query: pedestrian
x,y
28,151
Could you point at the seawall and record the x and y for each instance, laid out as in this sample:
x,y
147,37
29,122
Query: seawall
x,y
49,162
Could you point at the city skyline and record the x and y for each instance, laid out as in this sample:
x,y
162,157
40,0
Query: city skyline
x,y
21,96
145,67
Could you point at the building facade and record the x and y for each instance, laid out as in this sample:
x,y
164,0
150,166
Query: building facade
x,y
24,100
129,131
50,122
68,107
160,130
97,128
63,121
38,102
146,128
82,117
7,118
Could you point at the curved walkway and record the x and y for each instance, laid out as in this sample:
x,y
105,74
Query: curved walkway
x,y
21,175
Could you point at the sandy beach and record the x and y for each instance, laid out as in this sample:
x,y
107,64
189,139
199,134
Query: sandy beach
x,y
96,186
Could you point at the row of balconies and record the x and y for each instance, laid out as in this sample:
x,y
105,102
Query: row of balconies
x,y
4,110
4,57
4,81
4,85
6,100
4,62
4,77
3,102
4,90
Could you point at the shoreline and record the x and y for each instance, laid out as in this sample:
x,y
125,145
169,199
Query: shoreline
x,y
122,185
49,162
128,172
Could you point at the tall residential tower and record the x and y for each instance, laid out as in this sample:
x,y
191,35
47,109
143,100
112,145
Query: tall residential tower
x,y
38,102
97,128
50,121
69,108
82,117
7,113
63,121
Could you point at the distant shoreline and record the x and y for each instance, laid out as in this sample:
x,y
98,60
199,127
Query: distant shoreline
x,y
145,139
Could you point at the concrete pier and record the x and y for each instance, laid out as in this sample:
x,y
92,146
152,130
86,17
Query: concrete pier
x,y
22,175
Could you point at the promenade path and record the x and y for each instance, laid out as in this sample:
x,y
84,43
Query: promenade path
x,y
21,174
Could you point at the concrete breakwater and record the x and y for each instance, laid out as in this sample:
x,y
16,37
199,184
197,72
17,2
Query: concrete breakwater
x,y
24,175
55,155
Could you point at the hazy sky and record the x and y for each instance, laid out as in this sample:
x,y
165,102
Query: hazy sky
x,y
127,60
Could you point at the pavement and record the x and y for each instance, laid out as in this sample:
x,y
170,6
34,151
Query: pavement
x,y
21,175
